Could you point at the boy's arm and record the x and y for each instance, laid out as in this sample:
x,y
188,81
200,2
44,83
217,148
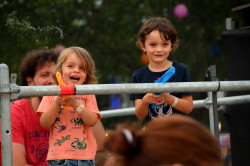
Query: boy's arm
x,y
141,105
185,104
19,155
141,109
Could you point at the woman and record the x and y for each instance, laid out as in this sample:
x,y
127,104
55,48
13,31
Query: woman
x,y
175,140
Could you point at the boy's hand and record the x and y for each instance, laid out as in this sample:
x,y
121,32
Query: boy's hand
x,y
164,97
148,98
151,98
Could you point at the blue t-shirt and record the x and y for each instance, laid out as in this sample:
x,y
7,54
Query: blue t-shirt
x,y
145,75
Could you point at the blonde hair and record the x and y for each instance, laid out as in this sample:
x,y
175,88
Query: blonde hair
x,y
166,140
86,59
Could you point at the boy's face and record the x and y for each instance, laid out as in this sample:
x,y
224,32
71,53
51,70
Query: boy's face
x,y
43,75
157,49
73,72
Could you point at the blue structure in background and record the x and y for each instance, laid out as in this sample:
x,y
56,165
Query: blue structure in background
x,y
115,99
215,49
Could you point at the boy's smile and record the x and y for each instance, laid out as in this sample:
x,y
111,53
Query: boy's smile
x,y
157,49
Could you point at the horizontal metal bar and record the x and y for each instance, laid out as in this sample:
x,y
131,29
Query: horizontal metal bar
x,y
232,100
149,87
104,89
197,104
118,112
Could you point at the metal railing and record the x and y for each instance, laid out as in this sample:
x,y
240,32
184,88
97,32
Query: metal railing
x,y
242,99
11,91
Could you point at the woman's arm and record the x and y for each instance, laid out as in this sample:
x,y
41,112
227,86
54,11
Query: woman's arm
x,y
19,155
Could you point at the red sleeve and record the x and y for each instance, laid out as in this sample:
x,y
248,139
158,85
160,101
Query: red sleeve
x,y
0,155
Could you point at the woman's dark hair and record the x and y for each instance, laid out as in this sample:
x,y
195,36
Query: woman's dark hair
x,y
33,61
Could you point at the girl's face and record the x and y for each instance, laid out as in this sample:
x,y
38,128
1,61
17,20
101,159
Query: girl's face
x,y
157,49
72,70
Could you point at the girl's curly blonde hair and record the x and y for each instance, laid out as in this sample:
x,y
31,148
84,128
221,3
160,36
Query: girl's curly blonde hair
x,y
86,59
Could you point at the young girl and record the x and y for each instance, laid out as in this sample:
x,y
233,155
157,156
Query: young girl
x,y
70,119
158,38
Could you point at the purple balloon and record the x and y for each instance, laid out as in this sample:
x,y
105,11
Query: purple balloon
x,y
180,11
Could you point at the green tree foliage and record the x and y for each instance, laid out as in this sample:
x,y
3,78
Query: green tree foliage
x,y
108,30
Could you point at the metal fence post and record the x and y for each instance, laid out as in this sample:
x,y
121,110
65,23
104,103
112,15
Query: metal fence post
x,y
213,113
6,132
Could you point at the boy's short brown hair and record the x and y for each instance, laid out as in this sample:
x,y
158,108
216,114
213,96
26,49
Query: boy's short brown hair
x,y
164,26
